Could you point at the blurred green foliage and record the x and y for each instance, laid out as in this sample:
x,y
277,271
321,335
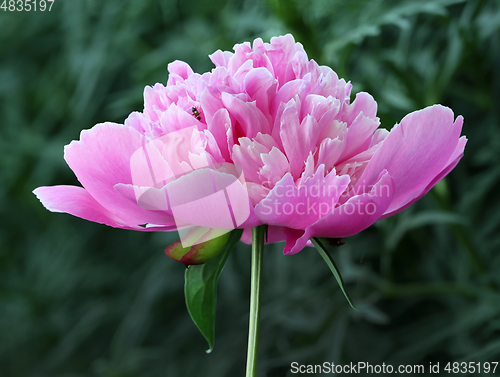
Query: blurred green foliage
x,y
82,299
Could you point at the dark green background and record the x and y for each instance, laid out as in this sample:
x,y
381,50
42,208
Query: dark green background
x,y
83,299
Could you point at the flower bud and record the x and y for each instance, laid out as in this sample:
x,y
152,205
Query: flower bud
x,y
196,251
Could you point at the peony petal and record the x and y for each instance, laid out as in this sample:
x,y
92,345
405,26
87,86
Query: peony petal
x,y
239,57
259,57
357,214
379,136
140,123
260,85
218,127
209,198
359,135
211,104
247,155
329,152
325,82
176,118
100,160
300,64
151,198
275,166
241,73
221,58
280,51
319,106
180,68
292,238
299,206
415,152
308,170
286,93
248,117
155,102
256,192
77,201
148,167
292,131
452,162
212,147
365,103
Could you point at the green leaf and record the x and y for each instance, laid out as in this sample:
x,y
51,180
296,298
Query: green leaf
x,y
333,267
201,289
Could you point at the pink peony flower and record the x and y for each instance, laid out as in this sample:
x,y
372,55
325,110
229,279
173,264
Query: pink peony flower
x,y
314,164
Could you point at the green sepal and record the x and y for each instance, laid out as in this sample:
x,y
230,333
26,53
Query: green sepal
x,y
198,252
200,289
333,267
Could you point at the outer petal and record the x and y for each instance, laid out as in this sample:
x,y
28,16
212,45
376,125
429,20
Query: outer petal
x,y
452,162
355,215
100,160
414,153
77,202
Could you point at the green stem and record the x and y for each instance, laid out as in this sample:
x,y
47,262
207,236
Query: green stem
x,y
253,330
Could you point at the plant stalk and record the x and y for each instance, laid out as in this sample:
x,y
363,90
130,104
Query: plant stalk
x,y
253,328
